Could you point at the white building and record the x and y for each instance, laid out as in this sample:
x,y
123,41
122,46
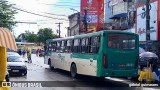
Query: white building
x,y
74,23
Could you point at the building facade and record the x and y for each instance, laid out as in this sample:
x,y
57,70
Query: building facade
x,y
107,14
140,27
119,14
74,23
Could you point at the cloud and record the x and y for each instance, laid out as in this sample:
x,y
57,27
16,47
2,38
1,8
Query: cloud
x,y
36,6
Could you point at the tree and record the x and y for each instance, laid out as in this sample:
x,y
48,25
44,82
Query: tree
x,y
28,36
6,14
44,34
32,38
24,36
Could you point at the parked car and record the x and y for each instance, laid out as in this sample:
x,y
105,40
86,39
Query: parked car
x,y
16,65
12,54
33,51
15,54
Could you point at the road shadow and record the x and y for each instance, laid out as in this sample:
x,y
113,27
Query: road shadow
x,y
88,81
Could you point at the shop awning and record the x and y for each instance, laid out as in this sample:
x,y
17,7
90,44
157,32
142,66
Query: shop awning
x,y
6,39
118,16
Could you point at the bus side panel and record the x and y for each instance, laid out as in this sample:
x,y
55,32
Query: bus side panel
x,y
86,64
100,67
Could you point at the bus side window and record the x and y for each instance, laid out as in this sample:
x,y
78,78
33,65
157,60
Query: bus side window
x,y
58,46
98,43
87,45
83,45
95,43
75,46
68,46
63,46
79,46
53,46
72,44
50,47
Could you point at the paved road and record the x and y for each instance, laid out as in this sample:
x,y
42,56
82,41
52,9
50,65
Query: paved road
x,y
61,80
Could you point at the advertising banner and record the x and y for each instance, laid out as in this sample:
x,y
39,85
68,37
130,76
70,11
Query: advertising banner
x,y
95,15
141,22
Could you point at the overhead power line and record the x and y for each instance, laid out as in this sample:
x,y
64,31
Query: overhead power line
x,y
38,14
54,14
60,5
26,22
68,2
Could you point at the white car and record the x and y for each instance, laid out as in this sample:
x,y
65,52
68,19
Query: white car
x,y
12,54
16,65
15,54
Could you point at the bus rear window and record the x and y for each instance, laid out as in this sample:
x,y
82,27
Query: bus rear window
x,y
121,41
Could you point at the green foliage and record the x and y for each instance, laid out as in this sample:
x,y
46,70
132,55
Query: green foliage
x,y
45,34
41,36
6,14
18,40
32,37
24,36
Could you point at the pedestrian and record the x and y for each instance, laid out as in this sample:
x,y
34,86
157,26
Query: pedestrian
x,y
20,52
40,52
37,51
24,52
29,57
154,68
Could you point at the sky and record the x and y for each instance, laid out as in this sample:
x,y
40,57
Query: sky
x,y
54,9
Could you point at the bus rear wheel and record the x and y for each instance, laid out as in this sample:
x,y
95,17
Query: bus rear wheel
x,y
73,70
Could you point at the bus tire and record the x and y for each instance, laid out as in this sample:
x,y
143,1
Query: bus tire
x,y
73,70
49,63
25,73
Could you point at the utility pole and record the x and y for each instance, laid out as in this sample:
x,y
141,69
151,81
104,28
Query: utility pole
x,y
59,31
147,24
128,14
79,22
85,20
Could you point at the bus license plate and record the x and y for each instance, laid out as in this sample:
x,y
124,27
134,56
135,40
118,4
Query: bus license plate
x,y
15,70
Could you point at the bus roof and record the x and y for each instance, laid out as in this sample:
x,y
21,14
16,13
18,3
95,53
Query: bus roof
x,y
90,34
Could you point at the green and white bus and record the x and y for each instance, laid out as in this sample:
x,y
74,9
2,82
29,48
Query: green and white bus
x,y
101,54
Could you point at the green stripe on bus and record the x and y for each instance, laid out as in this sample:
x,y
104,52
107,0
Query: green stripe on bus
x,y
85,56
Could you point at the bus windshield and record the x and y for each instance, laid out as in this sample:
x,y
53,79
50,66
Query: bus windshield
x,y
121,41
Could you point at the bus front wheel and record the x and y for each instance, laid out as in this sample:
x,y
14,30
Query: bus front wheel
x,y
50,66
73,70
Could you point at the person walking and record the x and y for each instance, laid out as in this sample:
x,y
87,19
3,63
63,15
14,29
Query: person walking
x,y
40,52
24,52
29,57
37,51
20,52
